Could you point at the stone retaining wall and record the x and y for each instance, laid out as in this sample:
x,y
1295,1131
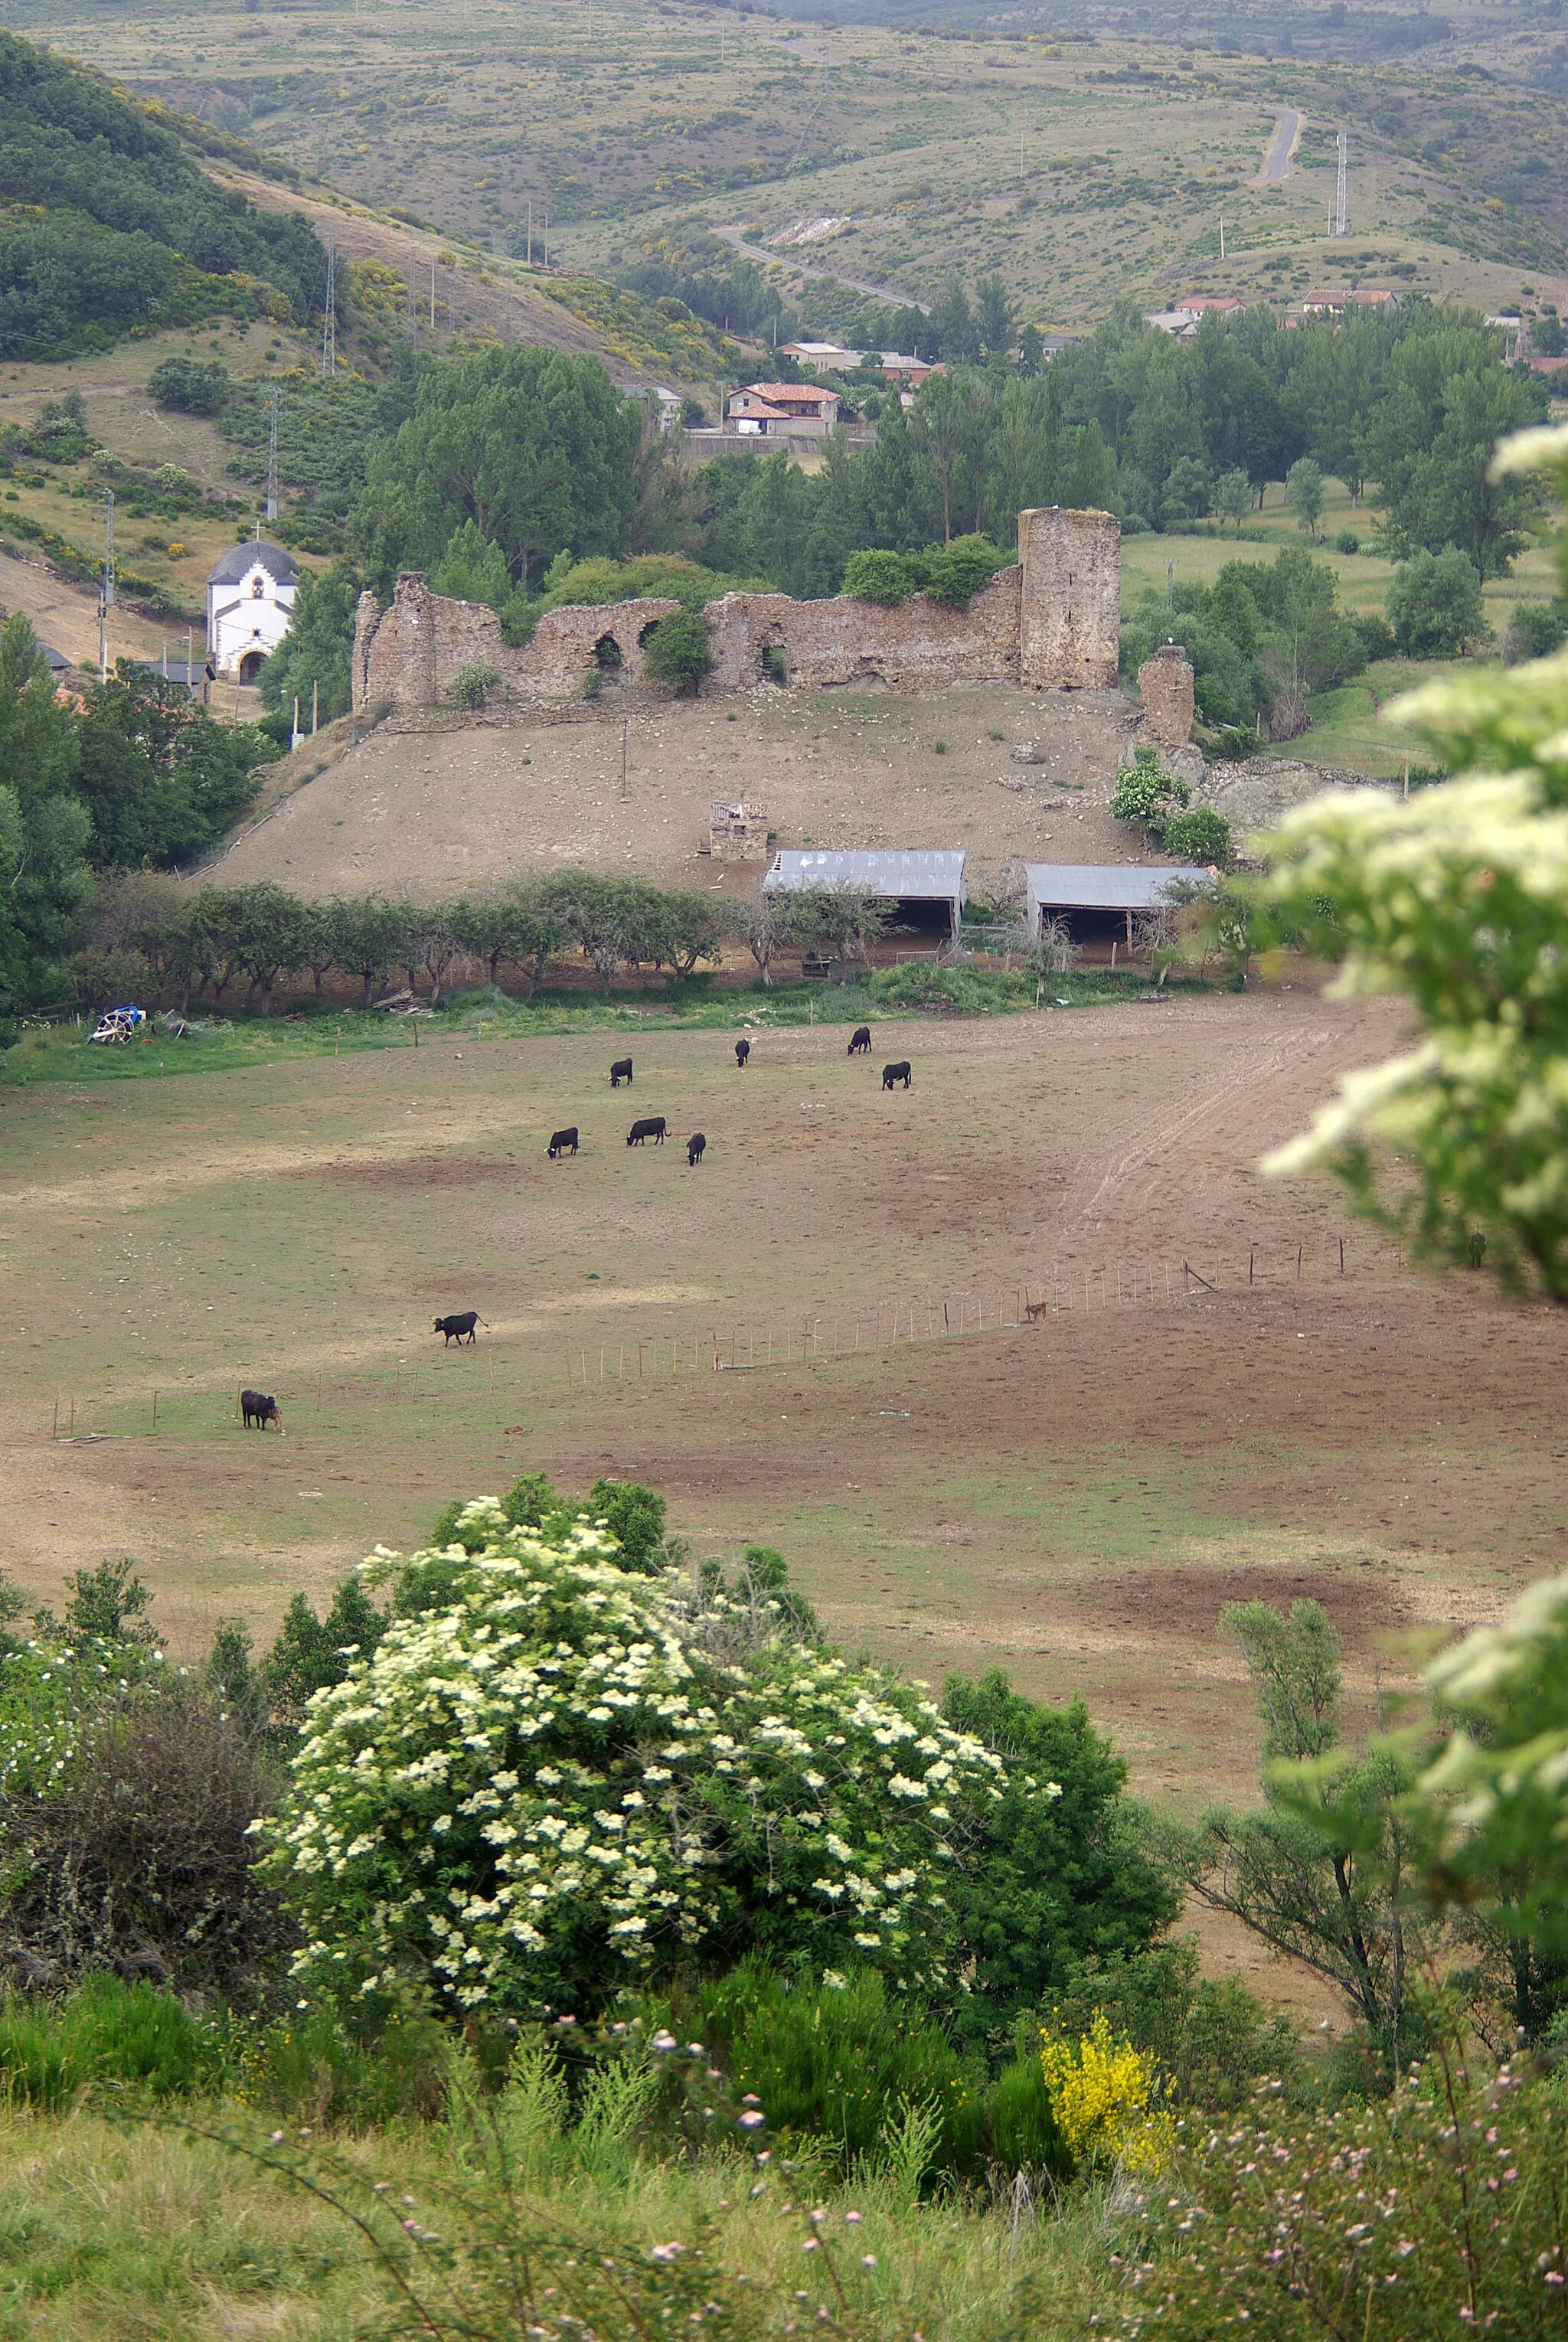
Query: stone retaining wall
x,y
1053,621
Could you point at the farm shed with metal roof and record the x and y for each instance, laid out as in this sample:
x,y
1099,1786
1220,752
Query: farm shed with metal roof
x,y
926,885
1101,899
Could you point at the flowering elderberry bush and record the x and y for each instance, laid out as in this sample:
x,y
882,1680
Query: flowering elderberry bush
x,y
548,1787
1438,2212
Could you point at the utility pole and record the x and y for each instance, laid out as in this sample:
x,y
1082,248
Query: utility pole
x,y
106,597
530,230
433,296
272,407
329,314
1342,204
1221,236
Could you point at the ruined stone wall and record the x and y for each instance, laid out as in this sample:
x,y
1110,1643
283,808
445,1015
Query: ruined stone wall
x,y
1070,629
407,655
913,645
1053,621
1166,688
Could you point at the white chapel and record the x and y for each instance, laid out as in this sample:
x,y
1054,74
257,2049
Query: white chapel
x,y
250,597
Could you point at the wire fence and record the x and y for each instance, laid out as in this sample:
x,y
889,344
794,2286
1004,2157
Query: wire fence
x,y
514,1368
1066,1289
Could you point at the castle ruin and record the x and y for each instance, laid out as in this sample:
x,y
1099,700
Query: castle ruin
x,y
1052,621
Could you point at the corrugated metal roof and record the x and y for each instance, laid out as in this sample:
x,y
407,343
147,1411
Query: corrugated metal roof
x,y
1105,885
935,875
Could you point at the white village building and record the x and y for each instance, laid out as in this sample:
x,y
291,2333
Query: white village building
x,y
250,597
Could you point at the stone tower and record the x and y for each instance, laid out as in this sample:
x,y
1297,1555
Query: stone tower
x,y
1070,620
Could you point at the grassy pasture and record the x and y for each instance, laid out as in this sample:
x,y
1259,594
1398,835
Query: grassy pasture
x,y
1073,1500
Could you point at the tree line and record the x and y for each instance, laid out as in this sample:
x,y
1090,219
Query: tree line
x,y
502,467
131,774
146,938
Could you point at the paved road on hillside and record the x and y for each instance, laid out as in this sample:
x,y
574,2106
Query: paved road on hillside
x,y
1282,147
802,268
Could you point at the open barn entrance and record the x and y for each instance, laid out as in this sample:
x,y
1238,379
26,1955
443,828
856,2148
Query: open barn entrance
x,y
607,655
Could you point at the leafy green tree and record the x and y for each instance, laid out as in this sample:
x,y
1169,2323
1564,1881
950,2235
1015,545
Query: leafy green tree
x,y
474,682
270,936
1323,1873
374,938
317,651
1304,495
536,449
190,386
43,827
1057,1878
1234,496
1031,353
310,1653
1435,608
1186,494
159,778
996,319
634,1517
473,569
109,1603
1447,401
1455,899
952,326
680,653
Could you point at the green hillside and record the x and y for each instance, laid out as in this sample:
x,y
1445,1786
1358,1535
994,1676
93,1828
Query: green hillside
x,y
108,227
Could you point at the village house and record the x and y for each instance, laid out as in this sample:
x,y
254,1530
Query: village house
x,y
783,410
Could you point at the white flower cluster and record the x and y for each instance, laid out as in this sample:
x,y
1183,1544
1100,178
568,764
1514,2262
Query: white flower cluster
x,y
548,1787
51,1694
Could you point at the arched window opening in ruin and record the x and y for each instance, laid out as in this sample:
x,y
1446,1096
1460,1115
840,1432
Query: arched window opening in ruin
x,y
774,666
607,654
646,637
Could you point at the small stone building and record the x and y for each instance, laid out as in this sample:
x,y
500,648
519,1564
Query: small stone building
x,y
737,830
250,600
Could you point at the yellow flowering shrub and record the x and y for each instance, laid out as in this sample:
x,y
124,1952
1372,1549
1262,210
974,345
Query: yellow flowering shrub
x,y
1104,2094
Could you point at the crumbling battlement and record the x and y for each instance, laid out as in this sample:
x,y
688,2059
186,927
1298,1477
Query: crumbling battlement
x,y
1053,621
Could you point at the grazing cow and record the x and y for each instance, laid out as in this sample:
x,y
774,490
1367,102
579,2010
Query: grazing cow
x,y
460,1327
256,1407
742,1051
899,1073
859,1041
652,1126
694,1146
621,1071
561,1142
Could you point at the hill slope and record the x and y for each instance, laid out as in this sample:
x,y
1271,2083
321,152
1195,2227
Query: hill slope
x,y
1081,167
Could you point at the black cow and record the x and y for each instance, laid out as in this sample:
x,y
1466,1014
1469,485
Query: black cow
x,y
561,1142
742,1051
256,1407
460,1327
694,1146
652,1126
899,1073
858,1040
621,1071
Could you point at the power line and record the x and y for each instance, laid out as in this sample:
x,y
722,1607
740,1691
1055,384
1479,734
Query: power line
x,y
106,598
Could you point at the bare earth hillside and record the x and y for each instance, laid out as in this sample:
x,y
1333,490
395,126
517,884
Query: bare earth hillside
x,y
427,805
